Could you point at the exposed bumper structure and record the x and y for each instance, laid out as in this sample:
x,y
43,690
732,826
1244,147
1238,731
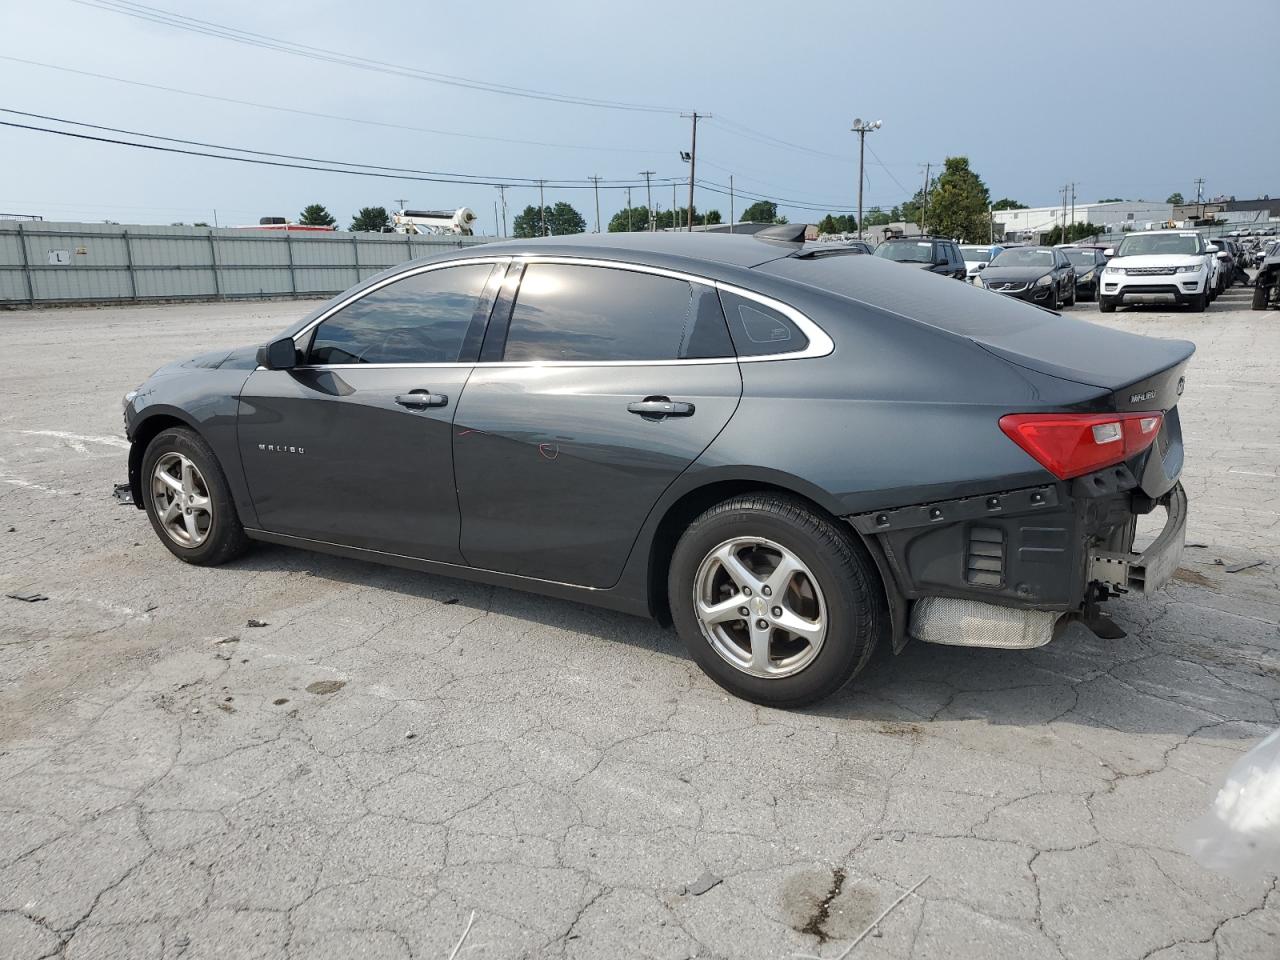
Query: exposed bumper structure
x,y
1000,571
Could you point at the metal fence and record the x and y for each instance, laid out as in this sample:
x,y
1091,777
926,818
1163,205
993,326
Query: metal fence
x,y
48,263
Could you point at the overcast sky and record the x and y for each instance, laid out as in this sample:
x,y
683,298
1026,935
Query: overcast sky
x,y
1112,95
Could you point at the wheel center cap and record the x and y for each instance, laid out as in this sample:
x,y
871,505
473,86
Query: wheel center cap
x,y
761,607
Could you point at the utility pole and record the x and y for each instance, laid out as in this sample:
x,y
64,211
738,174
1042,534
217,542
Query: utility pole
x,y
648,195
1073,204
628,209
1065,188
595,182
542,208
1200,197
861,129
674,226
502,193
731,203
693,156
924,206
402,203
495,216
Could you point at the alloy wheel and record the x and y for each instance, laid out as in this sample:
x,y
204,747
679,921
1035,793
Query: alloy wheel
x,y
760,607
181,499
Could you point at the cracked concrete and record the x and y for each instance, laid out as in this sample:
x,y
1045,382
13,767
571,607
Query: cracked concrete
x,y
390,751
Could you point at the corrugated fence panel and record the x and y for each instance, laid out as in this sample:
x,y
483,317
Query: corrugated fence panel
x,y
46,262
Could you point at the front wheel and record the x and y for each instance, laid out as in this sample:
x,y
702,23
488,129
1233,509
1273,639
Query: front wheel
x,y
1198,303
1055,302
776,602
188,499
1105,305
1072,301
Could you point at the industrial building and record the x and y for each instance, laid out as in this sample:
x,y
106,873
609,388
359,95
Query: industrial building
x,y
1033,223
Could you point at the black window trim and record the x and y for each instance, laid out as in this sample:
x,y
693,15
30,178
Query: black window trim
x,y
820,344
489,295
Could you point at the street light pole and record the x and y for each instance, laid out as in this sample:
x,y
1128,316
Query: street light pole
x,y
861,130
693,156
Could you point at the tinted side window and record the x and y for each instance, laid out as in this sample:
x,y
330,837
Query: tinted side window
x,y
566,312
420,319
759,330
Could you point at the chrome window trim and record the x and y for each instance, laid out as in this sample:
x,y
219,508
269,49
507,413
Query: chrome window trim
x,y
820,344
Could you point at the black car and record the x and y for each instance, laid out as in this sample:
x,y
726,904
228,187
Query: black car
x,y
1040,275
1088,263
791,454
935,254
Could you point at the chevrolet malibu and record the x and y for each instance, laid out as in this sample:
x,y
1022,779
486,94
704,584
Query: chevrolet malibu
x,y
791,453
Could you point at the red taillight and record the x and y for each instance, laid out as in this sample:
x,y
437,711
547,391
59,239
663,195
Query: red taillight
x,y
1070,444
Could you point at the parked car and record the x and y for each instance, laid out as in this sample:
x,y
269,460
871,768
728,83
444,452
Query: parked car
x,y
1088,263
1266,284
1226,254
977,256
1160,266
794,456
1040,275
935,254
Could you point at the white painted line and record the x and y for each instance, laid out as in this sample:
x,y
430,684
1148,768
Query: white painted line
x,y
28,485
77,440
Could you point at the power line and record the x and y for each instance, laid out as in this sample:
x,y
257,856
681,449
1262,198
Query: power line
x,y
263,41
319,115
357,172
471,177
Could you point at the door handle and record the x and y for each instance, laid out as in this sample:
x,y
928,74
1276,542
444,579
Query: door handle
x,y
659,407
419,399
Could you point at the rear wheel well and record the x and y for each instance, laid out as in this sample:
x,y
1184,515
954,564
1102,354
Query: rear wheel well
x,y
145,432
683,512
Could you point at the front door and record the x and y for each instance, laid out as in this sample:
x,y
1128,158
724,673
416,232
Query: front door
x,y
611,383
354,446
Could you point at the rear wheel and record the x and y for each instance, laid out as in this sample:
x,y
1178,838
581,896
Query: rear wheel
x,y
188,499
1072,301
774,601
1260,295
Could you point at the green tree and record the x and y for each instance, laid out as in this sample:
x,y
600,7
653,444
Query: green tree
x,y
560,219
315,215
1004,203
957,205
762,211
842,223
1112,200
632,219
1175,197
1075,232
370,220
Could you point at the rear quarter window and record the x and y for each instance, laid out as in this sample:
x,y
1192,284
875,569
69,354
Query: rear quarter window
x,y
759,330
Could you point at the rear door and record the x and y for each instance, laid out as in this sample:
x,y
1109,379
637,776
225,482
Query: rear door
x,y
354,446
597,387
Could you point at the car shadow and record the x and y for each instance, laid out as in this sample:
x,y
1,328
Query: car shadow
x,y
1154,681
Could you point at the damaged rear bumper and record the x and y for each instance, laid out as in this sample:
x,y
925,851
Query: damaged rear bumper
x,y
1002,570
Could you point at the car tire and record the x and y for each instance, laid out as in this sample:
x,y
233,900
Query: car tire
x,y
205,530
1105,305
837,585
1198,303
1072,301
1055,302
1260,298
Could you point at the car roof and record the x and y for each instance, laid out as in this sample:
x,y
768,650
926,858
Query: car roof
x,y
657,248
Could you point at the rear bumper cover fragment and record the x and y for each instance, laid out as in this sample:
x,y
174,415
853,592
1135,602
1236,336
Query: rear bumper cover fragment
x,y
1148,571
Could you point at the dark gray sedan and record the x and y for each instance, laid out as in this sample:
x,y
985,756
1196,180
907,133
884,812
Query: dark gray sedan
x,y
791,452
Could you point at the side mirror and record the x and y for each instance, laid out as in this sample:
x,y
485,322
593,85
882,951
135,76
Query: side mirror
x,y
1212,248
279,354
1109,252
981,265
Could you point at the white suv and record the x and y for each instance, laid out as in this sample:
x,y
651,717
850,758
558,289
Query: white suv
x,y
1159,266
